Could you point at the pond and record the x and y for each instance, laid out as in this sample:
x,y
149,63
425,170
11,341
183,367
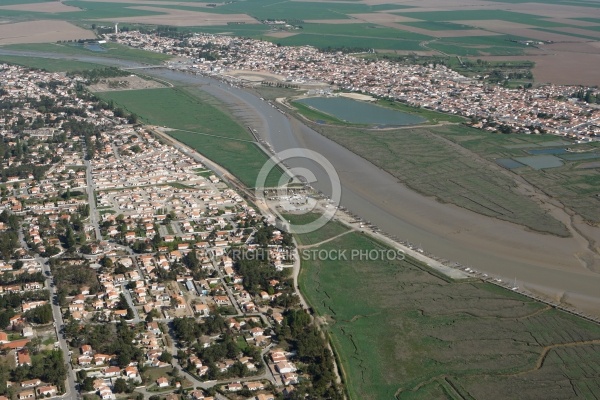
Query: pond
x,y
541,161
536,152
359,112
509,163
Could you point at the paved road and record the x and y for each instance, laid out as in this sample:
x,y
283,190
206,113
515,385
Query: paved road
x,y
127,295
70,388
92,200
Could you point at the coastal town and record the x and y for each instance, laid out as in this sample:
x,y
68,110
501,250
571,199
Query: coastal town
x,y
548,109
132,269
119,278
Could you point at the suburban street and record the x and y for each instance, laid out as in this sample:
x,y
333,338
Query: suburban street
x,y
127,295
92,200
70,386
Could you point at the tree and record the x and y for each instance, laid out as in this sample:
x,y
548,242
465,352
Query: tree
x,y
166,357
40,315
88,384
120,386
123,359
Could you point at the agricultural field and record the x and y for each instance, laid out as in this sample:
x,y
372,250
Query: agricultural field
x,y
350,42
403,331
576,183
41,31
198,123
479,28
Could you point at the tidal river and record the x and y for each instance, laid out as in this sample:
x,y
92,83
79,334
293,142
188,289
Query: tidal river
x,y
537,261
549,263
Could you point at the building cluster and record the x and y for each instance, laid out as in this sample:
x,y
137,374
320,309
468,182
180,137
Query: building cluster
x,y
546,109
153,245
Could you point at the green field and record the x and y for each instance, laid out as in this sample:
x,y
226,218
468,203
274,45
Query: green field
x,y
48,64
113,50
361,30
200,125
431,165
331,229
351,42
479,15
402,331
305,17
89,11
272,9
438,25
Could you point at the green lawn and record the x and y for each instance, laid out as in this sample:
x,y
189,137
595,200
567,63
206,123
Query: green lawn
x,y
199,124
402,331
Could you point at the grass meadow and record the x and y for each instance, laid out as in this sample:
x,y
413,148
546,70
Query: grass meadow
x,y
331,229
402,331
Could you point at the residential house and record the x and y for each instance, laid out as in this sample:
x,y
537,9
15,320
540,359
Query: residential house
x,y
49,390
162,382
31,383
234,387
26,394
23,358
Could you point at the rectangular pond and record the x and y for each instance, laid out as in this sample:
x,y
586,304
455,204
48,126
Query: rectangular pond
x,y
509,163
580,156
359,112
540,162
536,152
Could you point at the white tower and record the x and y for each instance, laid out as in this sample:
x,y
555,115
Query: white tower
x,y
116,28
